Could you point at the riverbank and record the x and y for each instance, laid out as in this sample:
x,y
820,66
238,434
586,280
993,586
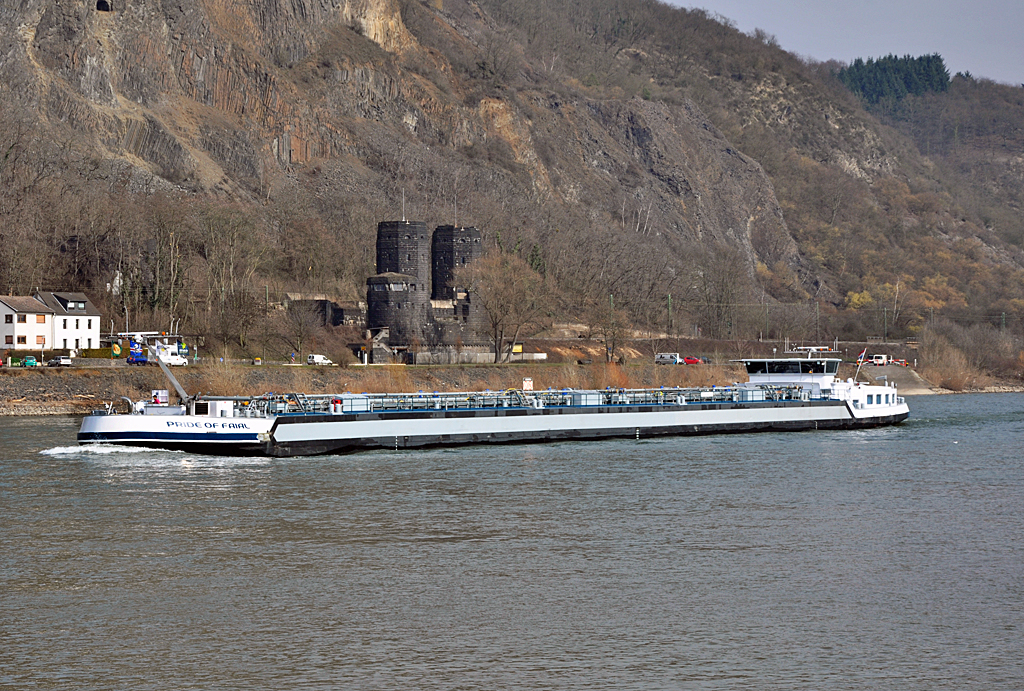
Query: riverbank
x,y
79,390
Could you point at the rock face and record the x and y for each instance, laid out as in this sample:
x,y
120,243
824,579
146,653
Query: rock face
x,y
230,97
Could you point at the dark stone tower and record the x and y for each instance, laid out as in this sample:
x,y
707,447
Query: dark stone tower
x,y
402,248
391,302
398,297
461,320
451,249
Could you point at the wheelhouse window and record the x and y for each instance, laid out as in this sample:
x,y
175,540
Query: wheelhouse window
x,y
792,366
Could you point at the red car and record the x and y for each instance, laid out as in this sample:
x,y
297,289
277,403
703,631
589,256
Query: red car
x,y
690,360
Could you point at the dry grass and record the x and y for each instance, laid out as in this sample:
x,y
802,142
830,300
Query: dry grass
x,y
947,366
388,379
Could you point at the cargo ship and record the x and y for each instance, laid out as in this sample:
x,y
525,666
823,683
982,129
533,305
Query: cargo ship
x,y
781,394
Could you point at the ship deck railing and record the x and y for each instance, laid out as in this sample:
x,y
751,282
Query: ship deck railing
x,y
325,404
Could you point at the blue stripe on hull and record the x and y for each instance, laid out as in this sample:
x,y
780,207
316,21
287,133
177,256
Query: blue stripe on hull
x,y
206,438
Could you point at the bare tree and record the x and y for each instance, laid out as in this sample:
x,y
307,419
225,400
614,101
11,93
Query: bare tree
x,y
512,295
303,323
718,279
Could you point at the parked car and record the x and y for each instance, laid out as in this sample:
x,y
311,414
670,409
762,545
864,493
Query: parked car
x,y
29,361
317,360
667,359
690,360
174,360
59,361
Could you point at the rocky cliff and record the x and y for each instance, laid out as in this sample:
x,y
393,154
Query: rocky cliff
x,y
224,96
617,154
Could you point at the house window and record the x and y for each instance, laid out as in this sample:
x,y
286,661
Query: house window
x,y
21,340
81,305
8,319
21,319
65,324
77,346
76,323
90,343
40,319
65,344
40,340
88,324
8,340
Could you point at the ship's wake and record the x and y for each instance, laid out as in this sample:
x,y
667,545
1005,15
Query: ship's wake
x,y
98,449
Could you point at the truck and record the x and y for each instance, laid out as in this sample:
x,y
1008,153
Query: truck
x,y
312,359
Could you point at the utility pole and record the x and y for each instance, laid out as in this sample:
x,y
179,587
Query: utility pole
x,y
670,314
885,324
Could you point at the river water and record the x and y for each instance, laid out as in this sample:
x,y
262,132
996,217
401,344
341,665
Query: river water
x,y
881,559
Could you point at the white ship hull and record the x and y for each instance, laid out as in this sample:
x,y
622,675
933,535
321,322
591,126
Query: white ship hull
x,y
183,432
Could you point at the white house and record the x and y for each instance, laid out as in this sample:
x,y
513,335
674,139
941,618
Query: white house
x,y
76,322
25,324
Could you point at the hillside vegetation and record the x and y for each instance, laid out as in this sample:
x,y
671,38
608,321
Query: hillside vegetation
x,y
196,162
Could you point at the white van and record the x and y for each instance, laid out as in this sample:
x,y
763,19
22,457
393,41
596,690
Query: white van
x,y
880,360
317,360
667,359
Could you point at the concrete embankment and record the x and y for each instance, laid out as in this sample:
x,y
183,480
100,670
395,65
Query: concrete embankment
x,y
906,379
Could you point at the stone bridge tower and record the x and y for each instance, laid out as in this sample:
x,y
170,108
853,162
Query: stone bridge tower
x,y
398,297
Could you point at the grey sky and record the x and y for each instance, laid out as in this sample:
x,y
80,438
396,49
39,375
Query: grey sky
x,y
983,37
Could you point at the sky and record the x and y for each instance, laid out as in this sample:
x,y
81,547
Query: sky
x,y
983,37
